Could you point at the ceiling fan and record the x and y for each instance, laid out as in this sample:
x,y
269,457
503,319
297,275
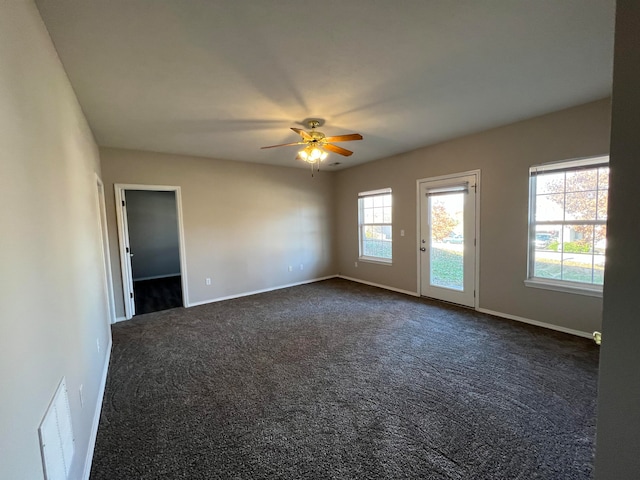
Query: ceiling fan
x,y
317,143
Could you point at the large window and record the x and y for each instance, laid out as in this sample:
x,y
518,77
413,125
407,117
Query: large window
x,y
567,225
374,224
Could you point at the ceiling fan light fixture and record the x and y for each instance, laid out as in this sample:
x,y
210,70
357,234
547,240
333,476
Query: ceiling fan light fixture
x,y
317,143
312,154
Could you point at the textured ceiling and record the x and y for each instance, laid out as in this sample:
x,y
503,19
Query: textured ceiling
x,y
221,78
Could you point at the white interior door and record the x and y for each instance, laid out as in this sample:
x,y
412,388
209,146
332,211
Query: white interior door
x,y
448,238
125,253
104,237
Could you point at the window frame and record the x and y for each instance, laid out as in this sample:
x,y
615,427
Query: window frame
x,y
361,225
568,286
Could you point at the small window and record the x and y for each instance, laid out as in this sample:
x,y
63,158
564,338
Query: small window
x,y
374,225
568,225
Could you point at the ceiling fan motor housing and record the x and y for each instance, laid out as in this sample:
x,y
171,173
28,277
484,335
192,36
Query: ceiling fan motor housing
x,y
316,136
316,142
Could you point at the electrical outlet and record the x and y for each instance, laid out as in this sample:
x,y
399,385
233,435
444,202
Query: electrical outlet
x,y
98,344
207,281
290,268
402,233
356,263
81,397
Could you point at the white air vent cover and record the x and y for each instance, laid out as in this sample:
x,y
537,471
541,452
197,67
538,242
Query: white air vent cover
x,y
56,436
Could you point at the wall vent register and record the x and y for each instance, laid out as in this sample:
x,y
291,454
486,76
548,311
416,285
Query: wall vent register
x,y
56,436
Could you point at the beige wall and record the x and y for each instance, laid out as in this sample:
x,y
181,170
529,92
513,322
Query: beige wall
x,y
504,156
618,434
53,307
244,223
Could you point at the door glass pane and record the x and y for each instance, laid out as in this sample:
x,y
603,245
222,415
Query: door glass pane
x,y
447,241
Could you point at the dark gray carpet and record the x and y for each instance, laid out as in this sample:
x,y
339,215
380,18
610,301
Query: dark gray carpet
x,y
337,380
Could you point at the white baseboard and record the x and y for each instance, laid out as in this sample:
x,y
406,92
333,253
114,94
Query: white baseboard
x,y
271,289
120,319
537,323
508,316
386,287
96,416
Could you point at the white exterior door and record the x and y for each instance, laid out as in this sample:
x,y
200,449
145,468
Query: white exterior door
x,y
448,238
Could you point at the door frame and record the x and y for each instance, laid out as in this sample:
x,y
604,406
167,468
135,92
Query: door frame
x,y
419,212
123,240
104,245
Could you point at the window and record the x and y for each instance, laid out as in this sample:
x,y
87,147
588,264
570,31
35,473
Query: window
x,y
374,224
567,225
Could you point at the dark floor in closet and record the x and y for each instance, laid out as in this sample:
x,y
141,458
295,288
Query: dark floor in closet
x,y
157,294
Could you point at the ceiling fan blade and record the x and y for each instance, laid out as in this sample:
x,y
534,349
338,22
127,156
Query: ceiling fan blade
x,y
302,133
337,149
282,145
344,138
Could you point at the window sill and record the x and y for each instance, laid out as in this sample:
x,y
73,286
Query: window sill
x,y
379,261
566,287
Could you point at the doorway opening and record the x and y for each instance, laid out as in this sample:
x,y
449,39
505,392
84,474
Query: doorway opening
x,y
448,238
151,248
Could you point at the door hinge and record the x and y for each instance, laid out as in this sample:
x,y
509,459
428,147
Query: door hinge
x,y
127,249
123,203
130,294
474,242
474,294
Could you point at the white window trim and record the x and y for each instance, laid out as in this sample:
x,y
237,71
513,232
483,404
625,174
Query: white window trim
x,y
365,258
380,260
588,289
565,286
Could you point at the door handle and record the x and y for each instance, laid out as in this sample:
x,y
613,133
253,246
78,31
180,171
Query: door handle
x,y
423,249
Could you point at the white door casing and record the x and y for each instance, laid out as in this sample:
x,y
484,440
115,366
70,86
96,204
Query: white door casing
x,y
125,249
104,244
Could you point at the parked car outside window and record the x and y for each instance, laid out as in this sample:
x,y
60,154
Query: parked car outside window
x,y
543,239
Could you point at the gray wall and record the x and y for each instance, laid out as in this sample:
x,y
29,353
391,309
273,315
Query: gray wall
x,y
244,224
153,233
618,437
53,307
504,156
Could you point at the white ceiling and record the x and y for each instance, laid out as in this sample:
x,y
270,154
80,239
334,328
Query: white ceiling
x,y
221,78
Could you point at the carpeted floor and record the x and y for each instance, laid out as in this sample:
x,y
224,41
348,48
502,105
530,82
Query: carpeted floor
x,y
337,380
